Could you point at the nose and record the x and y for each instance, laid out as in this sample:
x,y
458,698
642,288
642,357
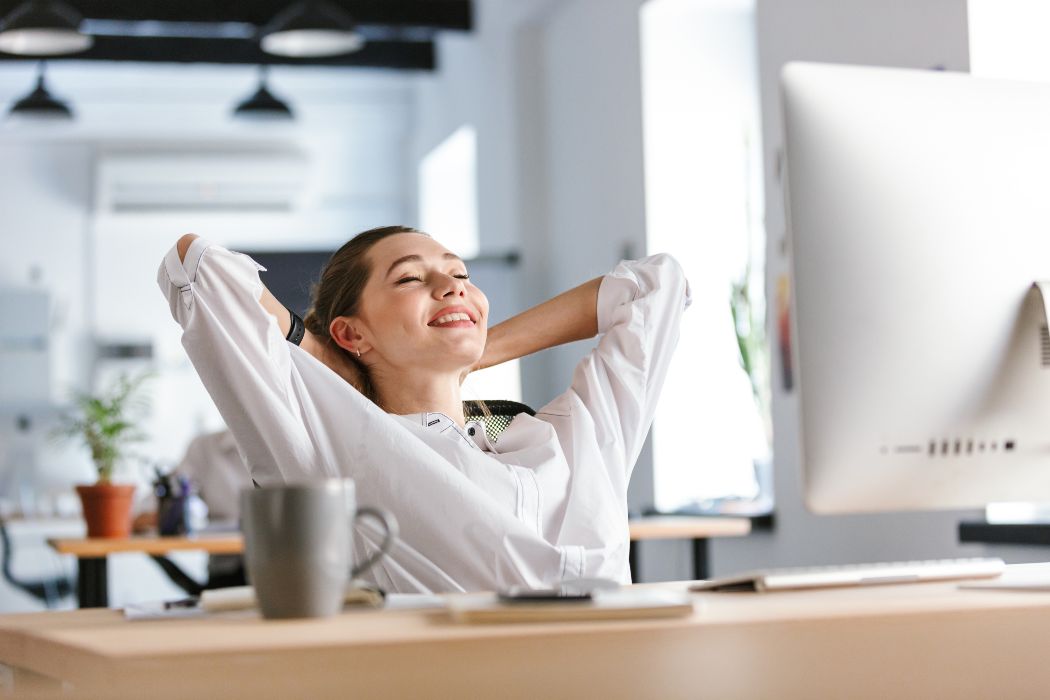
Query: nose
x,y
449,286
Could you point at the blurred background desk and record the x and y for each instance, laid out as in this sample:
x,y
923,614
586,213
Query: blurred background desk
x,y
92,569
1034,534
675,527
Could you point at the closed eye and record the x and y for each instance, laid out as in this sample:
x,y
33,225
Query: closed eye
x,y
413,278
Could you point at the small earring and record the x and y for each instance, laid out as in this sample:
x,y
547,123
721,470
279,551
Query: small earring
x,y
358,353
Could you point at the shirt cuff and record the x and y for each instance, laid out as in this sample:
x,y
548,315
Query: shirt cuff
x,y
616,290
633,279
182,273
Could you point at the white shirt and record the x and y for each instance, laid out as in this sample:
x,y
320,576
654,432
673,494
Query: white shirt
x,y
547,502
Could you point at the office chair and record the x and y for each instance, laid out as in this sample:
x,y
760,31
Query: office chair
x,y
495,414
47,590
179,577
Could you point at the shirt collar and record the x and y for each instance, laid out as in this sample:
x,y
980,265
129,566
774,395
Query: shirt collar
x,y
473,433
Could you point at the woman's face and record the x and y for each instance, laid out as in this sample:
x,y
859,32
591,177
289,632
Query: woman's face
x,y
418,309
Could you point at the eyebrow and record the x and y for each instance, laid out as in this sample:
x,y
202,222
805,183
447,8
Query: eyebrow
x,y
418,258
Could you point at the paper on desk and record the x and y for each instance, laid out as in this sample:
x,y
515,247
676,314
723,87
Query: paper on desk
x,y
243,598
414,601
234,599
1032,584
1018,577
160,610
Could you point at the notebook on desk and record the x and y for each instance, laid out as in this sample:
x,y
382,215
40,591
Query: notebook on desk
x,y
605,605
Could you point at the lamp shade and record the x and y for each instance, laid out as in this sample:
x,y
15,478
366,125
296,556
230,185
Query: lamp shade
x,y
43,28
40,104
263,105
310,29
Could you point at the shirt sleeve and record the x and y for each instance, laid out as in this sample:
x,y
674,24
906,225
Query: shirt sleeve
x,y
640,304
243,360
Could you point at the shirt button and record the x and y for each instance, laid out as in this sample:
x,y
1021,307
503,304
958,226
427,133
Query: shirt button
x,y
471,430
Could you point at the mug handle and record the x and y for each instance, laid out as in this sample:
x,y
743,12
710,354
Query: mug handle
x,y
389,525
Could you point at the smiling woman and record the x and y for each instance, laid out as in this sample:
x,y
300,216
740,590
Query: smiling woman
x,y
372,392
392,324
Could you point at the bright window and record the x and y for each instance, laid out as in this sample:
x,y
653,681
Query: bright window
x,y
1008,39
448,192
703,194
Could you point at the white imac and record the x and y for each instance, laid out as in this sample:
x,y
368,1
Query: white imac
x,y
919,214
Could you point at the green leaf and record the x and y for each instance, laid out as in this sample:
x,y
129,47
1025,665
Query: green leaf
x,y
106,421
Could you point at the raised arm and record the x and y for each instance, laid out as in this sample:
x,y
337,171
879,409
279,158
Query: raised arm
x,y
334,359
570,316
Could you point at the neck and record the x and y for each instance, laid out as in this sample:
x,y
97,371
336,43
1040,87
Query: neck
x,y
419,393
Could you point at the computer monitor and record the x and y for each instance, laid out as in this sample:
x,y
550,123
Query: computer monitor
x,y
919,214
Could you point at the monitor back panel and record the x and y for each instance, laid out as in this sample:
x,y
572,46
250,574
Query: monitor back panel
x,y
919,214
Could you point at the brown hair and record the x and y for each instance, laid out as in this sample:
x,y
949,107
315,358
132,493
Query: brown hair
x,y
338,293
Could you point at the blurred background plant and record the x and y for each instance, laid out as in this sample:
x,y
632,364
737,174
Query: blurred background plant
x,y
750,327
107,421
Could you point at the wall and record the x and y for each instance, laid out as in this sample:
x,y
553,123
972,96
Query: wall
x,y
593,186
46,193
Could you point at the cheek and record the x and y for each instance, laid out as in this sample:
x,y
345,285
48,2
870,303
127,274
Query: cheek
x,y
402,318
482,302
390,318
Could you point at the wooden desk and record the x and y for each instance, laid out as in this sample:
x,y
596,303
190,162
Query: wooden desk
x,y
908,641
91,553
697,529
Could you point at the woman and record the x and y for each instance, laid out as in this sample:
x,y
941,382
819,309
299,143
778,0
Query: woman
x,y
372,391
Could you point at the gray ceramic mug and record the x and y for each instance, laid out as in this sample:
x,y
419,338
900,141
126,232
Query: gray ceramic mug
x,y
298,545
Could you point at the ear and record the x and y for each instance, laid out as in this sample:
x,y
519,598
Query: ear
x,y
344,331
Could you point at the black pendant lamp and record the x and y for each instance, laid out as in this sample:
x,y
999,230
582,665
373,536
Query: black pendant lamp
x,y
263,105
311,29
40,104
43,28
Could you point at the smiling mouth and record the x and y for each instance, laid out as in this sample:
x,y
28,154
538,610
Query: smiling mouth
x,y
457,319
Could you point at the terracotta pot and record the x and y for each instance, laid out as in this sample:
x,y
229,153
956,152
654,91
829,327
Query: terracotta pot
x,y
107,509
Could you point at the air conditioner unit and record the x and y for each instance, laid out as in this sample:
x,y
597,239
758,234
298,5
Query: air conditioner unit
x,y
144,182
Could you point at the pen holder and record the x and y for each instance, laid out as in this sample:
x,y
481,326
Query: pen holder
x,y
171,515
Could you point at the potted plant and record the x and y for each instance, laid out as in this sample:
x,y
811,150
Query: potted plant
x,y
104,421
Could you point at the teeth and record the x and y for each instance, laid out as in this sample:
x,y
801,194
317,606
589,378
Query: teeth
x,y
449,318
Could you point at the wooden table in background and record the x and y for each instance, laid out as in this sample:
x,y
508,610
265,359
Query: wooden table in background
x,y
91,553
675,527
93,573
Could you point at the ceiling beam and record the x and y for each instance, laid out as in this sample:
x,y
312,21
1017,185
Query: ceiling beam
x,y
404,55
435,14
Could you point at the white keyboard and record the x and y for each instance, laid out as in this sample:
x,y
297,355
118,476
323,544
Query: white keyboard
x,y
856,575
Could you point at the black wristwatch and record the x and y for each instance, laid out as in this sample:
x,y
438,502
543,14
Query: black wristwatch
x,y
297,330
